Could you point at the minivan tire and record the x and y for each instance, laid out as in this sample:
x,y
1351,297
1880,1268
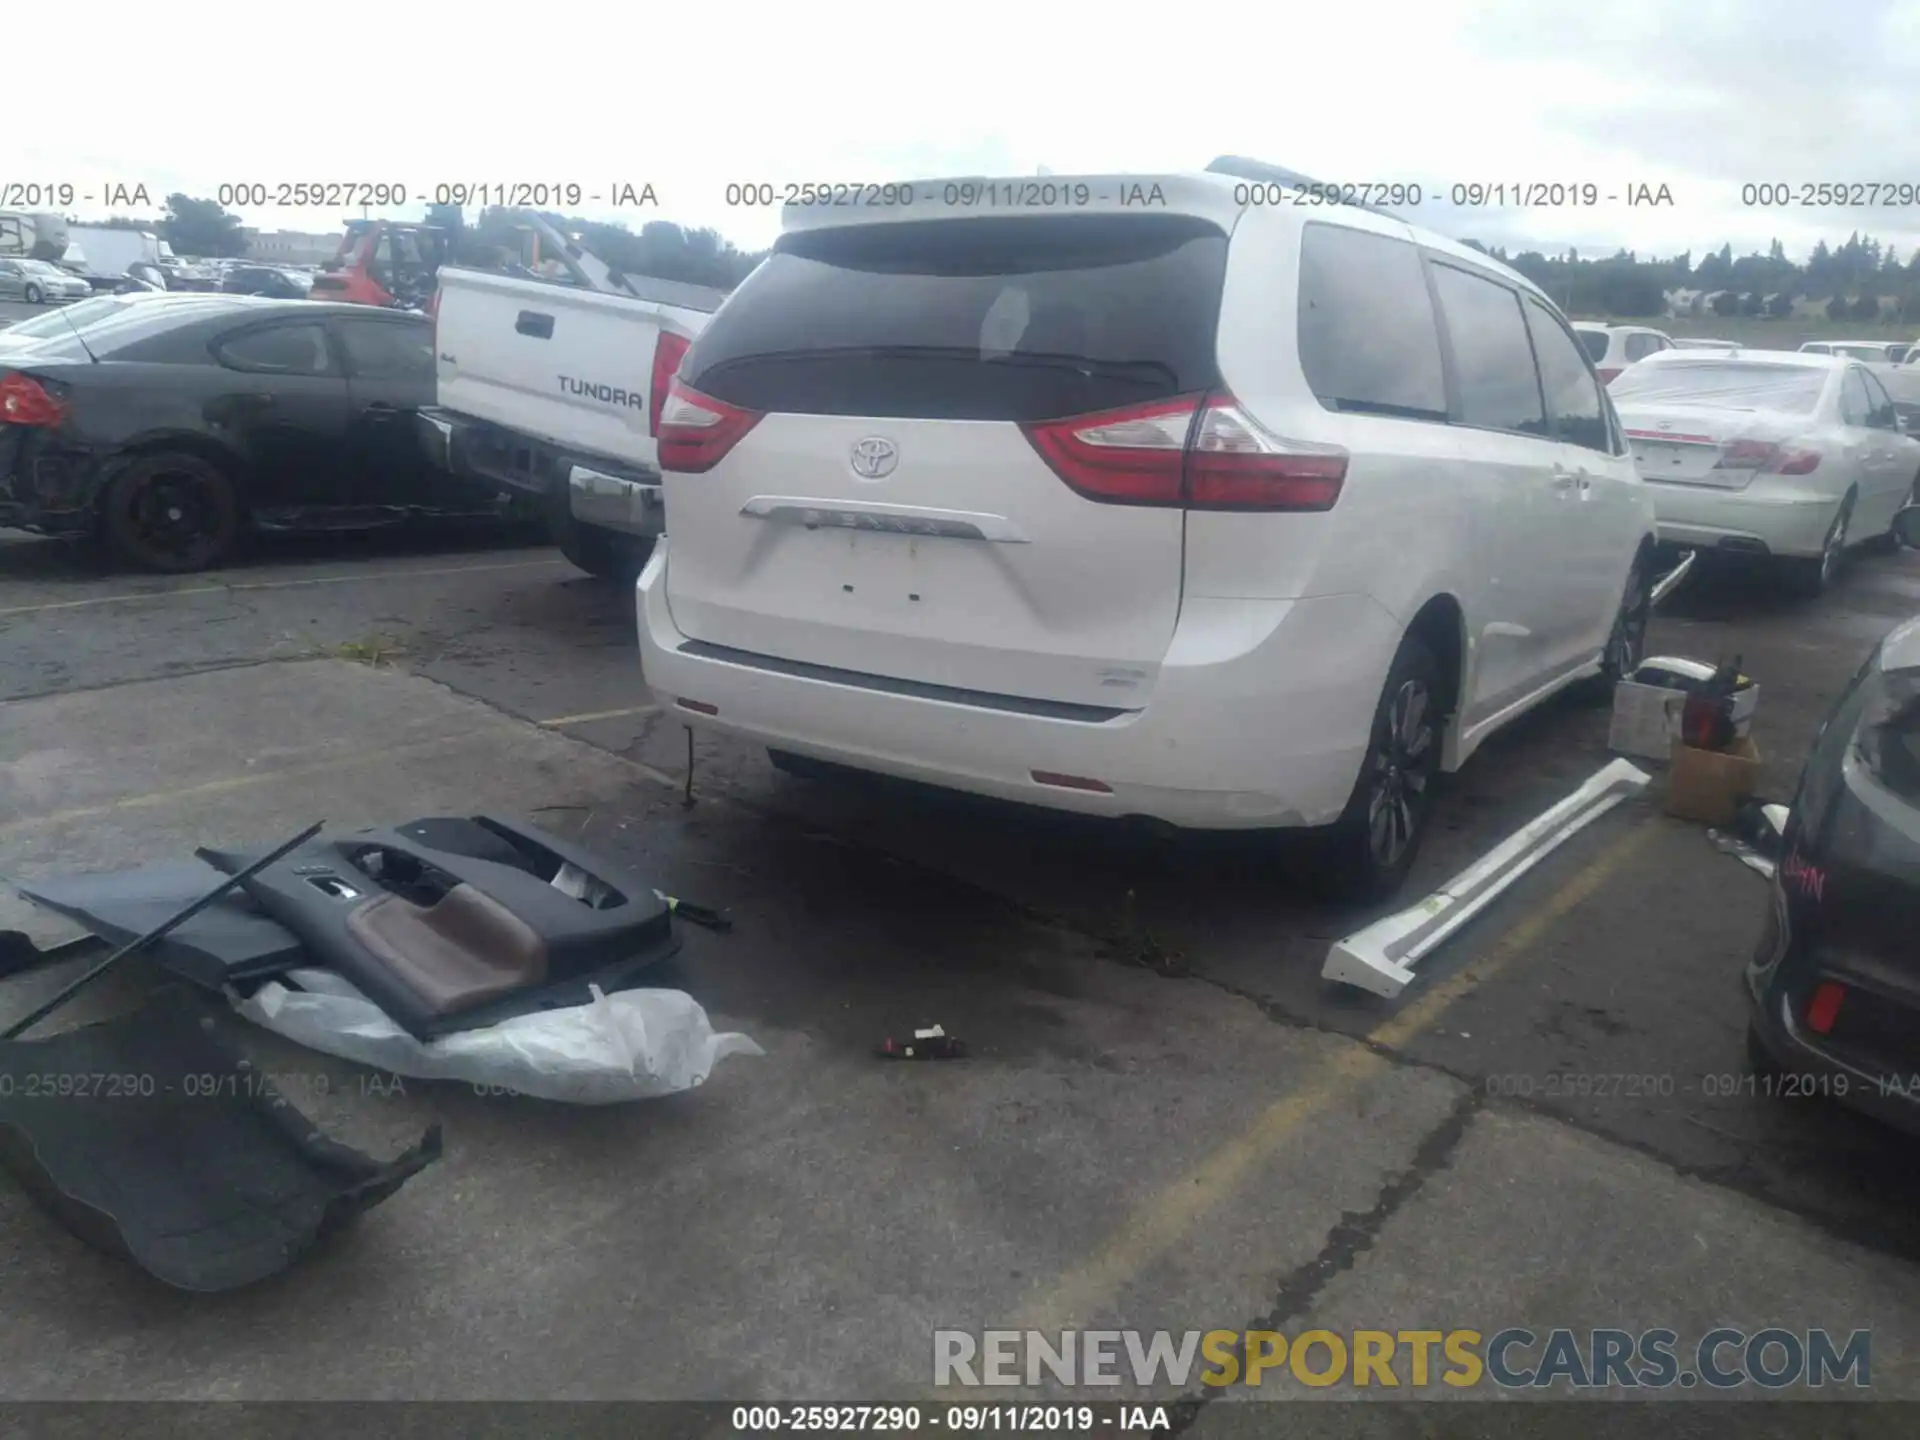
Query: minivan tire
x,y
1627,640
603,554
1368,851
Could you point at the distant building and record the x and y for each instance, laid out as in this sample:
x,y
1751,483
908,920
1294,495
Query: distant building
x,y
290,247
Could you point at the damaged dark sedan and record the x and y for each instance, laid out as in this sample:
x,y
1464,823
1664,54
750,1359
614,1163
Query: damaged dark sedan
x,y
170,429
1835,981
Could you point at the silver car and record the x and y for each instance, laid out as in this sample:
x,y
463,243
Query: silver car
x,y
38,283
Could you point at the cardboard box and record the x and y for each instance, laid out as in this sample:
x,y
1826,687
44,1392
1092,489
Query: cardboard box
x,y
1646,718
1708,785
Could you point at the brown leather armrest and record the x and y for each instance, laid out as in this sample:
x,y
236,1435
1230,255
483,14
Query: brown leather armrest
x,y
464,949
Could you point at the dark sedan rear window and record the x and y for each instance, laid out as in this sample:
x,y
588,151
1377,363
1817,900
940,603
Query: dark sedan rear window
x,y
115,335
1028,318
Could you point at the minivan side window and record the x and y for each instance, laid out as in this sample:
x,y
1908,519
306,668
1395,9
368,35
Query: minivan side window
x,y
1640,346
1493,359
1574,403
1368,340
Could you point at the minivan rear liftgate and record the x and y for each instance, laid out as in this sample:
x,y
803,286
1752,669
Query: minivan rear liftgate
x,y
958,453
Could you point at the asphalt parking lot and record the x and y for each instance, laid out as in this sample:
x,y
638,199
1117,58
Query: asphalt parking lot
x,y
1166,1121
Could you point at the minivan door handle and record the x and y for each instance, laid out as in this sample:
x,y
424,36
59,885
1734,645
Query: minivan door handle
x,y
1564,479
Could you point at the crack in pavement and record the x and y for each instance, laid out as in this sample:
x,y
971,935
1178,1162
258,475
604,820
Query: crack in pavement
x,y
1350,1237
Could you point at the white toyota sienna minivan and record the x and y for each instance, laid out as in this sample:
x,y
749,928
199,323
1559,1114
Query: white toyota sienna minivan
x,y
1191,497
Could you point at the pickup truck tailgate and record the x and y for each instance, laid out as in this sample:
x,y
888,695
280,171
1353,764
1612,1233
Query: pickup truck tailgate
x,y
574,367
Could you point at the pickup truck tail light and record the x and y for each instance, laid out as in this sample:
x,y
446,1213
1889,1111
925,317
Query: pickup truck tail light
x,y
696,431
668,351
1192,452
1764,457
27,401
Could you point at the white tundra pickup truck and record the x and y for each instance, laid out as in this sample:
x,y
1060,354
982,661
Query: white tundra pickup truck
x,y
553,390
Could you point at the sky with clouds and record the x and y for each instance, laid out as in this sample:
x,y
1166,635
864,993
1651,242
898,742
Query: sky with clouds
x,y
1703,99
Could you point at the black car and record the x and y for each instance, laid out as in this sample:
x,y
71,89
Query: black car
x,y
170,428
1835,982
263,280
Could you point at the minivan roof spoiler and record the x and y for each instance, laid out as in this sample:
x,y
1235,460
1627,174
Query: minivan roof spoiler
x,y
1242,168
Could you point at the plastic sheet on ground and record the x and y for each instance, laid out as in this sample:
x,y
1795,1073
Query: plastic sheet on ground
x,y
630,1045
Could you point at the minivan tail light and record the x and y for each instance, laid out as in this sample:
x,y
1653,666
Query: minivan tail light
x,y
1135,456
1202,454
1610,373
1235,465
27,401
668,351
696,431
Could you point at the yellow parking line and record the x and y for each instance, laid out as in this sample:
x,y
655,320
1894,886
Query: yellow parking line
x,y
249,585
1164,1221
560,722
239,782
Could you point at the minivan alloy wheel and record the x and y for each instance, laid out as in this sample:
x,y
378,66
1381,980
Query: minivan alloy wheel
x,y
1627,644
1836,544
1403,760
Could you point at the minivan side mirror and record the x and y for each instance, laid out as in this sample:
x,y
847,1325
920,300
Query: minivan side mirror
x,y
1906,527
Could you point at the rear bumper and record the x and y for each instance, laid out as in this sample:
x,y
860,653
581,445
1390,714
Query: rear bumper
x,y
597,491
1770,522
1840,908
46,487
1259,717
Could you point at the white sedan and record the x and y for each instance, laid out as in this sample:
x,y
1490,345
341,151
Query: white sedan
x,y
1787,455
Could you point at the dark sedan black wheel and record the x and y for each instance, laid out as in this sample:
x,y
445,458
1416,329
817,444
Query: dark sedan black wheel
x,y
1372,846
172,512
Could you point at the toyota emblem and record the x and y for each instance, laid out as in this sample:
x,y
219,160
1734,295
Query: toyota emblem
x,y
874,458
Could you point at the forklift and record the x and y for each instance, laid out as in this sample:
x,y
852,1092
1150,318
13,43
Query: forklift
x,y
394,263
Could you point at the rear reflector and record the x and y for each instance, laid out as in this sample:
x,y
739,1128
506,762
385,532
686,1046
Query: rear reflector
x,y
1204,454
1824,1008
668,351
696,431
1071,782
699,707
1766,458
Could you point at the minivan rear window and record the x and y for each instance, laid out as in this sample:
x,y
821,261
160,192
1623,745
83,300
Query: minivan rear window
x,y
1595,343
1001,318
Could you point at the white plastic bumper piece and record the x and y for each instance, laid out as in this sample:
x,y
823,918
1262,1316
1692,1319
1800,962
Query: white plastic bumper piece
x,y
1381,957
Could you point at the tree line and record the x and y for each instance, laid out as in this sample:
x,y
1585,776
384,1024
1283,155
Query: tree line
x,y
1861,279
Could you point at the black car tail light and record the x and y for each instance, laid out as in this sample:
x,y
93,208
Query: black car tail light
x,y
1823,1007
26,400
